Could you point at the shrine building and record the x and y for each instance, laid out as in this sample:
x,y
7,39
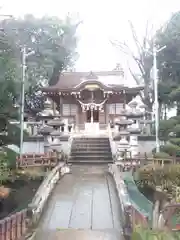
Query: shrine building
x,y
90,97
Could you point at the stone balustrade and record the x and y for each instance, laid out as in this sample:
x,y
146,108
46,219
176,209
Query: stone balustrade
x,y
132,216
44,191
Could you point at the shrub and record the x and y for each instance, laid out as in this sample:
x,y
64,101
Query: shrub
x,y
175,141
11,158
161,155
176,130
165,127
171,149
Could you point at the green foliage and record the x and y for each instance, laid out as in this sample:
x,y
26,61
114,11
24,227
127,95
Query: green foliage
x,y
175,94
176,130
165,127
169,130
161,155
4,170
166,177
11,158
171,149
169,59
175,141
141,233
54,42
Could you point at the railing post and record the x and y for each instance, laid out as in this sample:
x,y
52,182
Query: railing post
x,y
2,230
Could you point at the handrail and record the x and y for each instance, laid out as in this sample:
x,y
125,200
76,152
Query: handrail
x,y
45,189
127,204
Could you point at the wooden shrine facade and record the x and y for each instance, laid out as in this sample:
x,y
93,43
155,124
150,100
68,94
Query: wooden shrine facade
x,y
90,97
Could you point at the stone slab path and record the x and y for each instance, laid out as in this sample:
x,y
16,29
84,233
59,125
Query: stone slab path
x,y
84,205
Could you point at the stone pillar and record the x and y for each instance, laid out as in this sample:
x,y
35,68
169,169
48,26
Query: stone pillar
x,y
66,126
46,144
134,145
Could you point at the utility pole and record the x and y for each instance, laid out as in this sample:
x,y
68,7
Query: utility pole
x,y
24,57
156,102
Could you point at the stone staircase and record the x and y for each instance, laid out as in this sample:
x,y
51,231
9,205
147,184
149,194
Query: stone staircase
x,y
90,150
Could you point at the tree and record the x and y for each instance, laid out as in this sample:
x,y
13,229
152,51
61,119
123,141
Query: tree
x,y
8,92
144,62
54,43
169,58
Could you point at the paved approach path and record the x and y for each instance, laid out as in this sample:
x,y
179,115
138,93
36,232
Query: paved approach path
x,y
84,205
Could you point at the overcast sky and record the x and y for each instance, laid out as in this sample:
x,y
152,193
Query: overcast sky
x,y
102,20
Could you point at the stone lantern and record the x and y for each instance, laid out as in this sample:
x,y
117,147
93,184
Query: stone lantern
x,y
56,124
56,142
134,132
45,131
123,146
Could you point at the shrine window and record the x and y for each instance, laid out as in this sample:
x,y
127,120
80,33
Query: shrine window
x,y
114,108
69,109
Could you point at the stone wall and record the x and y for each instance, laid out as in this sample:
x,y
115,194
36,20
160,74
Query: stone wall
x,y
38,147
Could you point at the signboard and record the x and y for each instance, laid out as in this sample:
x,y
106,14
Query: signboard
x,y
92,86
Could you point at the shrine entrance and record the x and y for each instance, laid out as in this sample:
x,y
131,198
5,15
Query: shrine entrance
x,y
92,116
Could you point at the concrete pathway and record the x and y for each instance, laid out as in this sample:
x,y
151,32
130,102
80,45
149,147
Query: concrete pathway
x,y
84,205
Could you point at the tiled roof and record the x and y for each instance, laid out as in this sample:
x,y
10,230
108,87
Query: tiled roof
x,y
72,79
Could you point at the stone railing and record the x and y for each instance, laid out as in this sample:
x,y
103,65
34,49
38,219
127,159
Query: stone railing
x,y
21,223
132,216
37,205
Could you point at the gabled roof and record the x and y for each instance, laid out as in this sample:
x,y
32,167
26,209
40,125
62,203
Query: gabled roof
x,y
74,81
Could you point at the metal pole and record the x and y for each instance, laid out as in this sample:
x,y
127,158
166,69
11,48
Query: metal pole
x,y
156,103
22,100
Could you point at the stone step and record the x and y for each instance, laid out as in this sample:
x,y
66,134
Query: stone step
x,y
91,157
90,144
91,148
89,153
90,161
90,139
